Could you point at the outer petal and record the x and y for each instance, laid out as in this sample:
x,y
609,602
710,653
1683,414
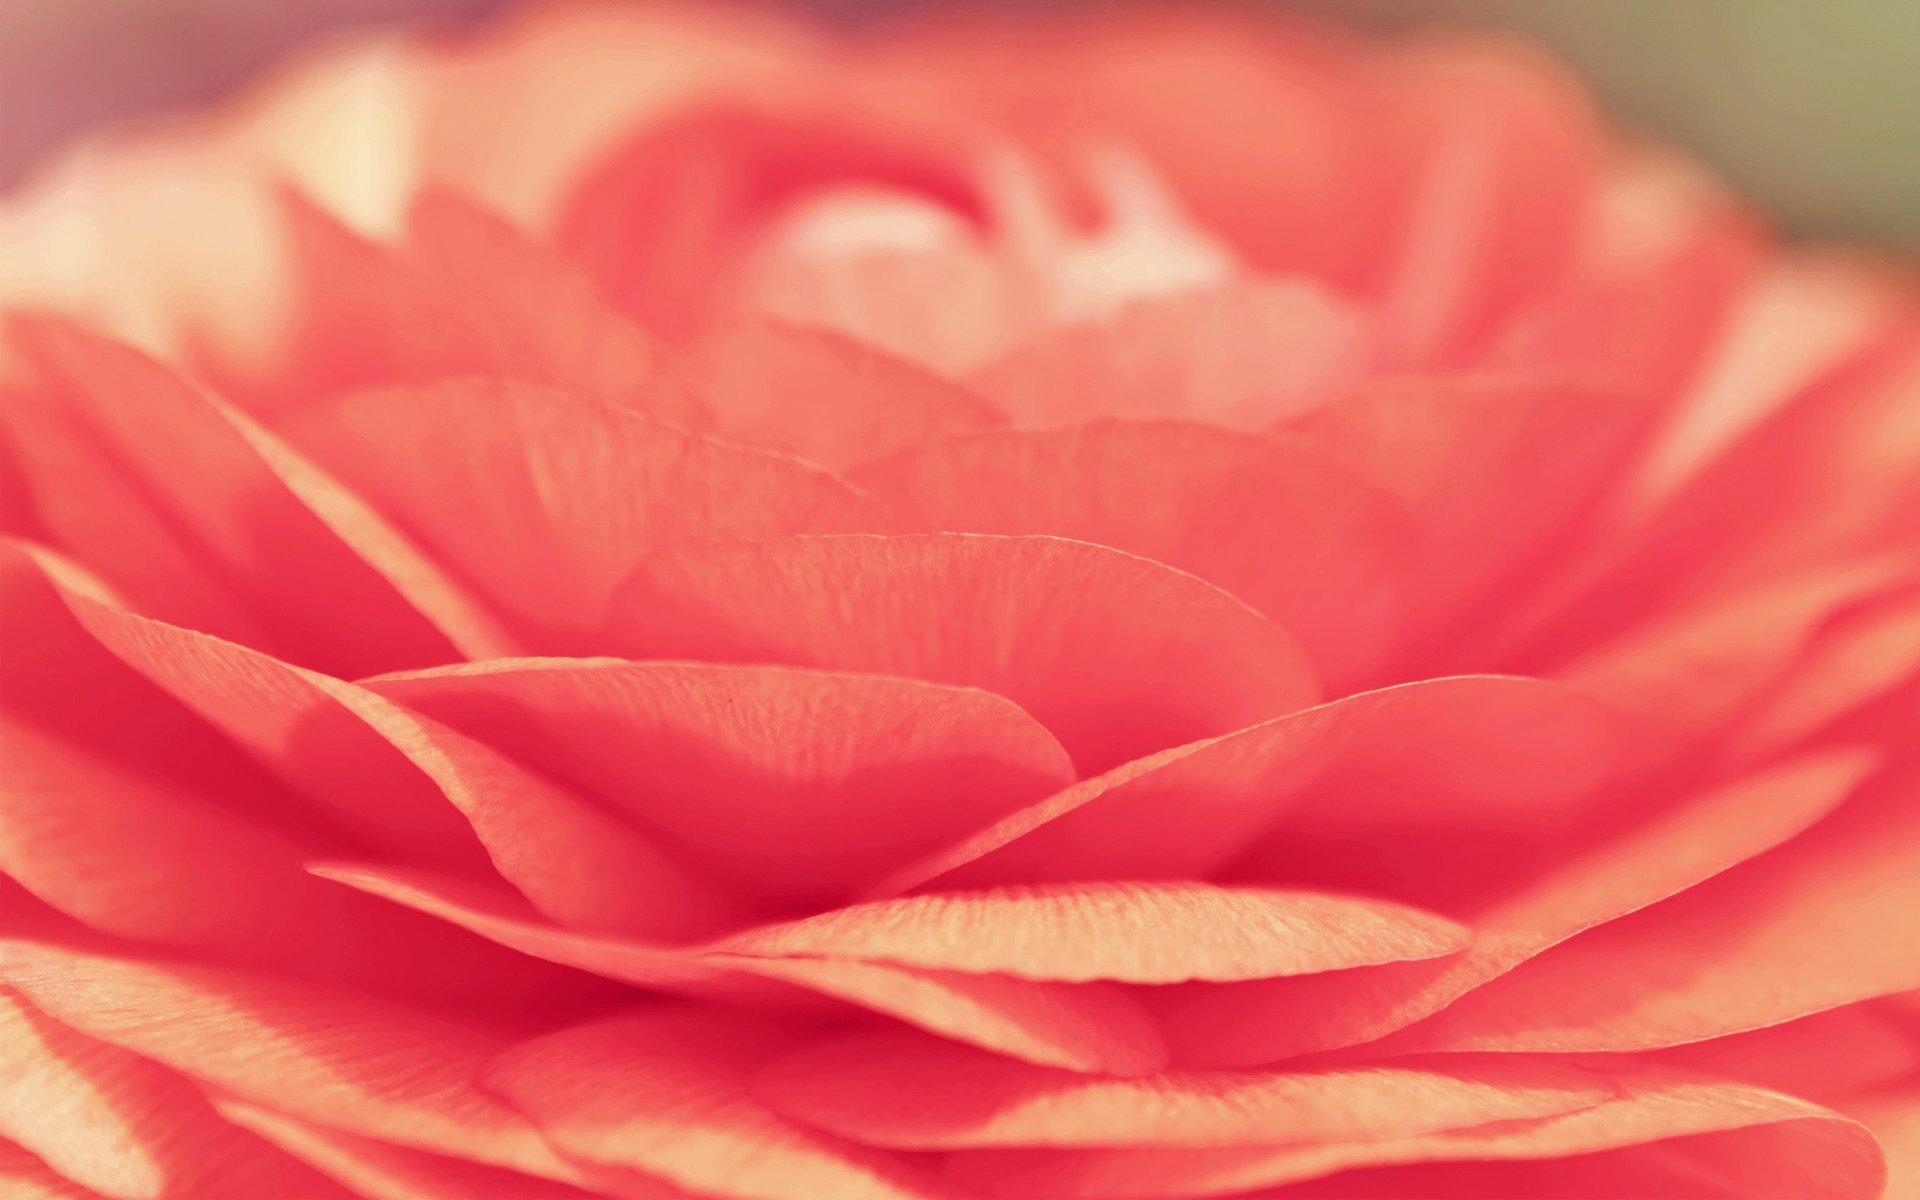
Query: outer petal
x,y
31,1179
124,1126
1135,933
1276,522
1242,1024
661,1093
330,1056
378,1170
1117,655
1829,920
163,488
873,1088
1792,1147
1083,1028
1894,1118
1486,751
797,785
546,501
403,781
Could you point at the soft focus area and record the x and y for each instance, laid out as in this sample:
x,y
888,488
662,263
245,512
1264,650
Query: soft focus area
x,y
1810,107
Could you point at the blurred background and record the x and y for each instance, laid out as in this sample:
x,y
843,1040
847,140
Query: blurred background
x,y
1810,106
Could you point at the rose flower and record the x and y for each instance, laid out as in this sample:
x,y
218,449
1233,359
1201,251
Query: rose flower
x,y
1124,604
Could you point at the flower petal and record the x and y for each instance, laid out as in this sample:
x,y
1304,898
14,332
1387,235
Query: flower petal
x,y
1688,675
824,397
1828,920
1129,932
28,1178
377,1170
331,1056
547,501
1083,1028
1495,471
540,318
798,786
1117,655
1242,1024
1483,750
1276,522
661,1093
873,1088
125,1126
1244,356
1790,1147
166,493
403,781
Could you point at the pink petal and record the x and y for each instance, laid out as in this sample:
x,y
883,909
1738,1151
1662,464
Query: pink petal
x,y
661,219
1862,657
661,1093
1789,1147
1690,674
1248,1023
1084,1028
28,1178
1825,1057
873,1088
539,318
797,785
1894,1118
1276,522
378,1170
331,1056
1497,472
1484,750
824,397
546,501
1117,655
124,1126
1830,919
1499,150
1245,356
163,489
1134,933
403,781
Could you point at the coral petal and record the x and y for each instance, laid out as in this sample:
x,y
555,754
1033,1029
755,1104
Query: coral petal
x,y
1083,1028
546,501
872,1088
378,1170
797,785
1776,938
1134,933
1276,522
331,1056
1117,655
824,397
1242,1024
1789,1147
1246,356
125,1126
1480,749
661,1093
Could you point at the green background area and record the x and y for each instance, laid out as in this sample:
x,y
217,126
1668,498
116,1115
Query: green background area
x,y
1810,106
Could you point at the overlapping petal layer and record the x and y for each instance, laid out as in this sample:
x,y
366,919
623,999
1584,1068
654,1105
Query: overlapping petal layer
x,y
1152,604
